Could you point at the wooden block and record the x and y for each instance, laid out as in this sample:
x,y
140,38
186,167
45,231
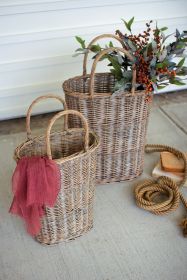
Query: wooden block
x,y
171,163
158,171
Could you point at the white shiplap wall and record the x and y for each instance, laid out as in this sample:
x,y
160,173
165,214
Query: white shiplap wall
x,y
37,41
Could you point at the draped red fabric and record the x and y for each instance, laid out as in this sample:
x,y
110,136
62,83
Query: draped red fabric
x,y
35,183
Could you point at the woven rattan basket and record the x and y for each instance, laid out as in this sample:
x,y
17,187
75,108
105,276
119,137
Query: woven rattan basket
x,y
119,120
74,151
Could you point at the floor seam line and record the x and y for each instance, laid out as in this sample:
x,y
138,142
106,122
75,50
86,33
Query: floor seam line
x,y
173,121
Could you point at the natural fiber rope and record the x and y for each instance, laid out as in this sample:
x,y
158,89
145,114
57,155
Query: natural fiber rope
x,y
149,189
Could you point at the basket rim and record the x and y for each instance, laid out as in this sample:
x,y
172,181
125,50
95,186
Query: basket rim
x,y
81,153
81,95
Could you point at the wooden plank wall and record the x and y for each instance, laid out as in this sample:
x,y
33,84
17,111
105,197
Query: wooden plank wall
x,y
37,41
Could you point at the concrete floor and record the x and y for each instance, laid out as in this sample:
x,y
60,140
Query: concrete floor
x,y
126,243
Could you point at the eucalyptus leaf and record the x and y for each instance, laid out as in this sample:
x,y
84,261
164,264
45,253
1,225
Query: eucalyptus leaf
x,y
161,86
149,48
181,62
155,87
127,75
182,71
128,24
85,51
153,62
120,59
162,64
154,79
180,46
157,31
184,68
166,37
163,36
171,64
154,45
165,84
177,33
76,54
81,41
117,67
178,52
184,40
153,73
163,78
164,28
119,84
95,48
131,45
168,48
162,55
177,82
113,71
79,50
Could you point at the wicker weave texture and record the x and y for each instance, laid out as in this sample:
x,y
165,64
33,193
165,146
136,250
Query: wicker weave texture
x,y
121,124
72,214
120,120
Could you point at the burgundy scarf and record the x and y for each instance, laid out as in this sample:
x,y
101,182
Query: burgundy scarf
x,y
35,183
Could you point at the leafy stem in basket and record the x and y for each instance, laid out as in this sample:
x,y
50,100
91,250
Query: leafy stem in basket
x,y
154,58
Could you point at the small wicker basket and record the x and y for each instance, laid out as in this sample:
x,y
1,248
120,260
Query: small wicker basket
x,y
74,151
120,120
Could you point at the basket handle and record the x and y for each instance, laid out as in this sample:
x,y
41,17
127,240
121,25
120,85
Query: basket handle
x,y
93,41
99,56
43,97
56,117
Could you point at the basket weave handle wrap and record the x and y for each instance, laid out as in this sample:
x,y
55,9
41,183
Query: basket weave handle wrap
x,y
93,41
43,97
99,56
56,117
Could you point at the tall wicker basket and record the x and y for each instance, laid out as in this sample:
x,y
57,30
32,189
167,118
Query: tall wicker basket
x,y
74,151
119,120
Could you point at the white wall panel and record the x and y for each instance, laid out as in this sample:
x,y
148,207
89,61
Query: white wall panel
x,y
37,41
87,16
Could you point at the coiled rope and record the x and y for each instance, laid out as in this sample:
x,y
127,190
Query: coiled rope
x,y
149,191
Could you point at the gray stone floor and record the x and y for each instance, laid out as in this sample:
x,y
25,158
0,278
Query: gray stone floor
x,y
126,243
